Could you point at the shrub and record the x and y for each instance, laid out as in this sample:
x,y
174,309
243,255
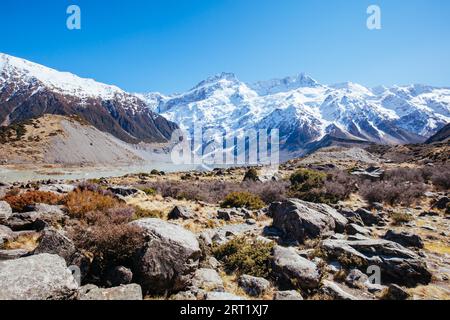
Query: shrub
x,y
140,213
246,256
441,178
81,202
149,191
391,192
20,201
305,179
400,218
251,175
242,200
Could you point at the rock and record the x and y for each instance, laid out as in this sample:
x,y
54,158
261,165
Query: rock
x,y
406,239
356,279
351,216
54,242
373,173
58,188
253,286
395,292
223,234
369,218
168,259
46,209
441,203
25,221
119,276
300,220
184,296
128,292
180,213
335,291
206,279
6,234
397,263
291,295
293,271
38,277
429,214
13,254
353,229
124,192
5,211
222,296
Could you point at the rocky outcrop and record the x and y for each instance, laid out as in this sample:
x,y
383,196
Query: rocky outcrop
x,y
130,292
406,239
168,259
293,271
5,211
38,277
253,286
397,264
300,220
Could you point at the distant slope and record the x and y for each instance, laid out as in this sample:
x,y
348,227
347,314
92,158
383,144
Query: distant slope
x,y
29,90
442,135
53,139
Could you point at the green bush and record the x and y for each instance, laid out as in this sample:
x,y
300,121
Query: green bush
x,y
306,179
149,191
251,175
245,256
242,200
399,218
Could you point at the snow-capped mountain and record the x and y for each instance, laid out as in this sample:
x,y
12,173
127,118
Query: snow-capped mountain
x,y
29,90
308,113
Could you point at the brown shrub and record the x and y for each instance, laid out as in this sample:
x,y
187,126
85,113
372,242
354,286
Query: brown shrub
x,y
81,202
20,201
392,193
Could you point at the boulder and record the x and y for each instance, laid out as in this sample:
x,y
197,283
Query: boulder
x,y
406,239
168,259
336,291
291,295
222,296
53,242
353,229
125,192
356,279
128,292
118,276
253,286
369,218
180,213
300,220
206,279
397,263
13,254
395,292
293,271
6,234
5,211
441,203
57,188
38,277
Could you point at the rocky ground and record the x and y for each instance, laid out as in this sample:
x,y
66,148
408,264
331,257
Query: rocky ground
x,y
232,234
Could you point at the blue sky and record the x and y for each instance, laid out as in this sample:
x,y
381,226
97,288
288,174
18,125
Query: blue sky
x,y
170,45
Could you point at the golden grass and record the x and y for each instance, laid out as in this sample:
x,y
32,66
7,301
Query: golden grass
x,y
27,241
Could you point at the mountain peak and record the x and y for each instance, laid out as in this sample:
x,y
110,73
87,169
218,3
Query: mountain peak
x,y
284,84
220,77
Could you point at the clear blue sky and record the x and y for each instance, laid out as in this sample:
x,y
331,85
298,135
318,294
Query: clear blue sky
x,y
170,45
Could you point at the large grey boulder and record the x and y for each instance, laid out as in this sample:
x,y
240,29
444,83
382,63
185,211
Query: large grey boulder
x,y
206,279
58,188
293,271
130,292
300,220
405,239
180,213
38,277
253,286
168,259
397,263
290,295
5,211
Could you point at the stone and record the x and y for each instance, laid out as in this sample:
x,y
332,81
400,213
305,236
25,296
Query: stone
x,y
406,239
168,259
58,188
353,229
253,286
293,271
395,292
119,276
5,211
130,292
441,203
53,242
335,291
291,295
37,277
369,218
180,213
125,192
356,278
397,263
6,234
13,254
222,296
206,279
300,220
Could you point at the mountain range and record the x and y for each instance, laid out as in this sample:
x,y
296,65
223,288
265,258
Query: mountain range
x,y
308,114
